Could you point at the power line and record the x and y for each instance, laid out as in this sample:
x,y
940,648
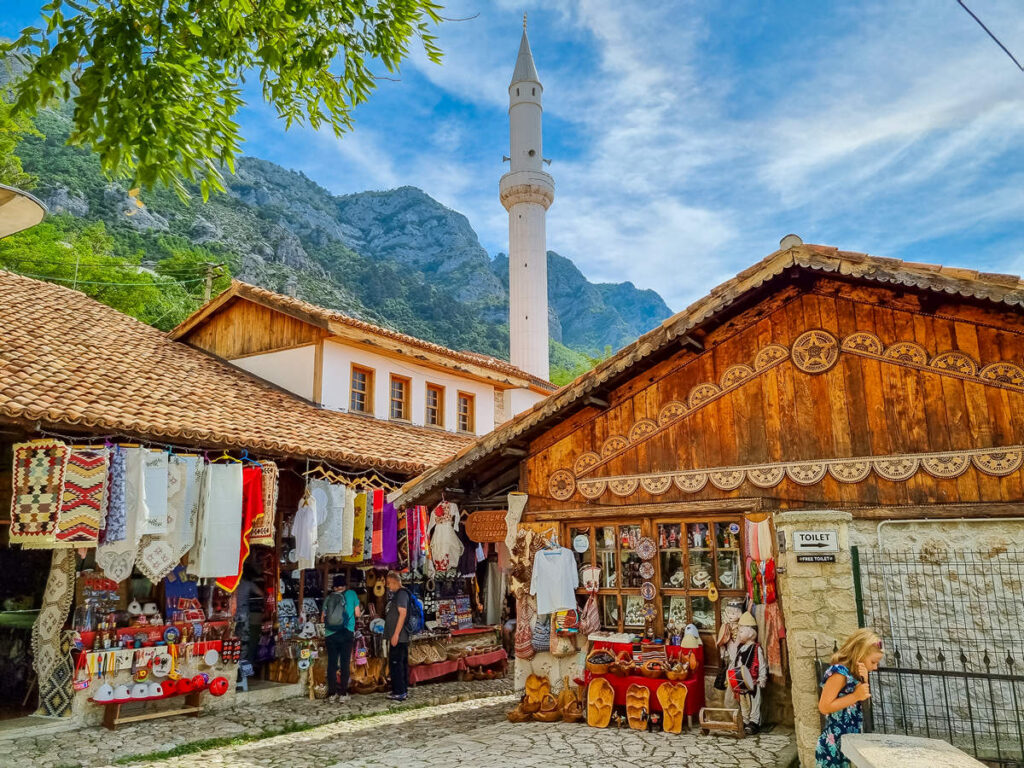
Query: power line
x,y
989,32
107,282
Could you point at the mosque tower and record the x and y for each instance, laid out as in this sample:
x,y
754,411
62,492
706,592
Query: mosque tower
x,y
526,191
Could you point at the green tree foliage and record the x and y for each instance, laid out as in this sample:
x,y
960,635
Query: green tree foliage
x,y
156,84
13,128
568,364
68,252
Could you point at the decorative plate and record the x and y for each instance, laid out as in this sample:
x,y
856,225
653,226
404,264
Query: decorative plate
x,y
581,543
647,591
645,548
649,612
303,663
293,556
647,570
172,635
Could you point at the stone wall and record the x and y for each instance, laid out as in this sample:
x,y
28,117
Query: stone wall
x,y
818,605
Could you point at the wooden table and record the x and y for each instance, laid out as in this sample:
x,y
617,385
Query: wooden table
x,y
112,714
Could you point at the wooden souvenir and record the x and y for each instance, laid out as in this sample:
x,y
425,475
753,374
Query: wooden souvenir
x,y
672,698
537,688
549,711
600,703
638,706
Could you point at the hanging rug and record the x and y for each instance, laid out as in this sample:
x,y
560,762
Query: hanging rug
x,y
84,499
37,485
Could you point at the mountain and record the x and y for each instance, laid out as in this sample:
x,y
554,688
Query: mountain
x,y
397,257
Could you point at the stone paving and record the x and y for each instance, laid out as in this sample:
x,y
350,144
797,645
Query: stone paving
x,y
476,734
96,746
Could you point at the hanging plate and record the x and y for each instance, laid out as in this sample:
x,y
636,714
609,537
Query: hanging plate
x,y
647,570
713,593
645,548
647,591
649,612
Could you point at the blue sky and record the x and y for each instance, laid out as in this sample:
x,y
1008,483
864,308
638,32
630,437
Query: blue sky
x,y
688,137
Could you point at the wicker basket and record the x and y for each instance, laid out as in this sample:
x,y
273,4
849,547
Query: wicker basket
x,y
596,668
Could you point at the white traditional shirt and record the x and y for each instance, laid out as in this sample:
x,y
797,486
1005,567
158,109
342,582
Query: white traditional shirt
x,y
304,530
554,581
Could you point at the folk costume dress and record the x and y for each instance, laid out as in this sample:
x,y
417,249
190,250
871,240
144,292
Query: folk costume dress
x,y
445,546
829,753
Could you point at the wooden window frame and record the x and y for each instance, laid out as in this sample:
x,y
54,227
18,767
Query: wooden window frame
x,y
406,398
471,398
440,405
649,527
370,376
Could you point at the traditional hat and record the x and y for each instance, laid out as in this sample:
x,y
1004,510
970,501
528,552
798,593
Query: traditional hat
x,y
748,620
689,641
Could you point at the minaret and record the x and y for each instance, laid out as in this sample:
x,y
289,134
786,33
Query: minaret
x,y
526,192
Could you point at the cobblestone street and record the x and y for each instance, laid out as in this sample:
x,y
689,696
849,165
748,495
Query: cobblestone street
x,y
476,734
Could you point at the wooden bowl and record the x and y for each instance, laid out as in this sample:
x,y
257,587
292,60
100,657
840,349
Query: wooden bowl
x,y
652,670
595,668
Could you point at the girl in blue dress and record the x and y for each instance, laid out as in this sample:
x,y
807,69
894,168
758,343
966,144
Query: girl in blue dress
x,y
842,693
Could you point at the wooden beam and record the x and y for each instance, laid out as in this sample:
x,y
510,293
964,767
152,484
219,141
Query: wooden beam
x,y
687,340
318,373
508,477
711,506
938,512
513,452
597,402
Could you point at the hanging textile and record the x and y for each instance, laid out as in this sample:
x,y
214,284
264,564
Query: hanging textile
x,y
219,527
445,546
358,529
516,504
184,480
378,524
84,501
114,522
425,560
37,484
51,651
412,527
404,563
774,633
389,533
264,527
117,558
330,506
155,520
368,534
348,513
304,529
252,507
494,592
468,558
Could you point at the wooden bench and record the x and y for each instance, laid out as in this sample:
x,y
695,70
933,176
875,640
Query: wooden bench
x,y
112,711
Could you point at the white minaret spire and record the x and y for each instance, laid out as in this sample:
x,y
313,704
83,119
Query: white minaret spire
x,y
526,192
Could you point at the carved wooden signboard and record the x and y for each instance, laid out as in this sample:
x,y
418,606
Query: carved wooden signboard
x,y
486,525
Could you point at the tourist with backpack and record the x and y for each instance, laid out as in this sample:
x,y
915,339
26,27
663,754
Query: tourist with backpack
x,y
341,609
396,631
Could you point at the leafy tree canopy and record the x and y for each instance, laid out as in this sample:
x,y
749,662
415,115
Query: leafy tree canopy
x,y
156,84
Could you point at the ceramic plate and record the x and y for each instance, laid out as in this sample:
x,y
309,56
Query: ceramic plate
x,y
647,591
172,634
211,657
647,570
293,555
645,548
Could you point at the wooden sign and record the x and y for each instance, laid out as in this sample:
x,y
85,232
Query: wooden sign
x,y
486,525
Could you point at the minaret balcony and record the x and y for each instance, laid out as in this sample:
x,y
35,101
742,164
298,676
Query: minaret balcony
x,y
527,187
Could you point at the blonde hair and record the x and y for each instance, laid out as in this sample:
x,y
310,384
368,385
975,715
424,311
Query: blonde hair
x,y
856,648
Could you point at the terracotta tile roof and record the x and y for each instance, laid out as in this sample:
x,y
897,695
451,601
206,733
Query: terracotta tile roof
x,y
324,317
67,359
1006,289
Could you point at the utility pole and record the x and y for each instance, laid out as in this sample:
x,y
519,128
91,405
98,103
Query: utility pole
x,y
208,288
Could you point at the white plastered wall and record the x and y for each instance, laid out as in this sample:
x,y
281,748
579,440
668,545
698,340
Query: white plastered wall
x,y
291,369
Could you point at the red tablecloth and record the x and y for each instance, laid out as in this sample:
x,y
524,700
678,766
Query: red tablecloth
x,y
473,631
694,684
421,672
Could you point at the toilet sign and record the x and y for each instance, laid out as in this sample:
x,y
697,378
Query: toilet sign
x,y
815,542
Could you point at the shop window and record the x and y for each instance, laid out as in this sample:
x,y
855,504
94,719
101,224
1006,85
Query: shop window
x,y
361,390
398,398
467,413
435,406
692,556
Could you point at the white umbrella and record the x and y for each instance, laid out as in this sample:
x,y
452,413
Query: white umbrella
x,y
18,210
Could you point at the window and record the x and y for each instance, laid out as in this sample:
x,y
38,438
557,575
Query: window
x,y
435,406
399,398
467,413
361,397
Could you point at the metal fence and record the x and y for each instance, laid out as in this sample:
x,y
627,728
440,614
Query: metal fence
x,y
952,623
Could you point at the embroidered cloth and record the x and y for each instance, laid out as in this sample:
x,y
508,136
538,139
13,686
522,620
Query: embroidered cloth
x,y
348,515
219,526
184,480
154,520
403,541
49,658
378,523
84,499
367,548
115,521
37,487
117,558
330,506
263,528
358,529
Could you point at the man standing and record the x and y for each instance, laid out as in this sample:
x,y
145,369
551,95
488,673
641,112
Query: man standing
x,y
398,637
341,608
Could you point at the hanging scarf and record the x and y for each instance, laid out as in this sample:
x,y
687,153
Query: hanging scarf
x,y
115,520
219,524
85,498
50,651
117,558
348,514
368,535
155,519
263,528
516,504
358,529
404,562
389,533
252,507
378,523
184,481
37,487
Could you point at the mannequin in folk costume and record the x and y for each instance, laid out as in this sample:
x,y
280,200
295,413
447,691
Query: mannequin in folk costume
x,y
748,673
